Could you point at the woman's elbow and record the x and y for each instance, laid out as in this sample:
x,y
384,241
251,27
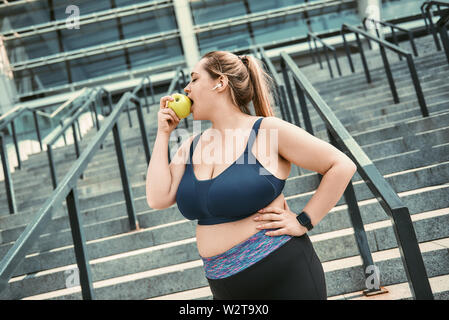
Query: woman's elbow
x,y
158,204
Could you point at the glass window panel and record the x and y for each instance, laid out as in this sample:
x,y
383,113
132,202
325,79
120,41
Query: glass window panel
x,y
257,5
45,76
98,65
224,39
154,54
334,20
24,15
204,12
148,23
279,28
400,8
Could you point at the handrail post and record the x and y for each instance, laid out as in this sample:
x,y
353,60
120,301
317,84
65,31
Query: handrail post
x,y
411,255
432,28
348,54
336,62
51,162
310,48
143,131
317,53
304,109
133,222
389,74
290,93
412,43
417,85
16,147
38,131
395,41
444,39
145,95
79,244
152,90
359,230
328,62
362,56
7,176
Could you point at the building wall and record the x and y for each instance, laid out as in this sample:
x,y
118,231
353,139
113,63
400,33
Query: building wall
x,y
128,37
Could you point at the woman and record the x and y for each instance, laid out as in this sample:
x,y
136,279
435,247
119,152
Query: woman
x,y
252,245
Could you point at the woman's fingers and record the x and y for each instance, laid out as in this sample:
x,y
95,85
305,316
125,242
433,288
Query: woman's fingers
x,y
271,209
270,225
164,100
268,217
172,113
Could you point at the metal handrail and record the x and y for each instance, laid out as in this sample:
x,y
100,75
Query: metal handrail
x,y
71,123
11,115
426,8
141,86
315,38
389,200
8,119
382,46
393,33
280,88
175,83
67,190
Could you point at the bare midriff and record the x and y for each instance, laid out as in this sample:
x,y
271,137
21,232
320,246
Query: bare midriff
x,y
218,238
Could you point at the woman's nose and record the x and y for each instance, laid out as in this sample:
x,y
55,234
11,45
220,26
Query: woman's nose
x,y
186,89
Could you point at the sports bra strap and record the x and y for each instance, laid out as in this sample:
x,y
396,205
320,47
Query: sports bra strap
x,y
253,134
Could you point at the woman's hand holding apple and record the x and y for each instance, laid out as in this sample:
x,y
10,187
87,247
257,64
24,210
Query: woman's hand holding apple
x,y
167,120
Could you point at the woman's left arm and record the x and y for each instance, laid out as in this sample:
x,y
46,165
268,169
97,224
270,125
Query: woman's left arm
x,y
306,151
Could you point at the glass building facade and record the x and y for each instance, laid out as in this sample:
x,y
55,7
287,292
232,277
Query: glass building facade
x,y
51,45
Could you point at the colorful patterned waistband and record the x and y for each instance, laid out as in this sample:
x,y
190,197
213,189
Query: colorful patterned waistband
x,y
242,255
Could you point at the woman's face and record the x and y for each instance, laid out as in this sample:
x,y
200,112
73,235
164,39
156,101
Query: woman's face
x,y
199,90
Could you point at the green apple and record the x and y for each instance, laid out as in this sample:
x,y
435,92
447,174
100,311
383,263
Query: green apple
x,y
180,105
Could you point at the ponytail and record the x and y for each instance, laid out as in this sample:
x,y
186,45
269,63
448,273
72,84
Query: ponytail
x,y
246,78
260,81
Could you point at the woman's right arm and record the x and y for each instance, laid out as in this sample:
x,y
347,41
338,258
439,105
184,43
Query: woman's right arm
x,y
163,178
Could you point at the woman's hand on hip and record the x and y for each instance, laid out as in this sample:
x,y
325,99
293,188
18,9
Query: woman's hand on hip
x,y
283,220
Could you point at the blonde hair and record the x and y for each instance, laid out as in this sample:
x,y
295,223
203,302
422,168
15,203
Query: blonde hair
x,y
246,78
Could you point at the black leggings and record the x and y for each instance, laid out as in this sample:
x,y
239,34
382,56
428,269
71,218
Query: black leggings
x,y
291,272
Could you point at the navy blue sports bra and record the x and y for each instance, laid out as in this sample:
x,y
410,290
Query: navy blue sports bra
x,y
238,192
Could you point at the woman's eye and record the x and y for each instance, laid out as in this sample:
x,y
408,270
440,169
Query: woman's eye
x,y
193,80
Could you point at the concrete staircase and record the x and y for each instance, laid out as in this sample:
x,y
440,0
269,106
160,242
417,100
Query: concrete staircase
x,y
160,261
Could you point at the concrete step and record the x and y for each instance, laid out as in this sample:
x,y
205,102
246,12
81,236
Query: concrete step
x,y
433,70
190,275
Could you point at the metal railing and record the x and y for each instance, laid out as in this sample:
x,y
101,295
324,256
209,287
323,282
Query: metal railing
x,y
326,47
281,92
90,103
389,200
178,82
8,119
142,86
67,190
392,27
382,46
427,13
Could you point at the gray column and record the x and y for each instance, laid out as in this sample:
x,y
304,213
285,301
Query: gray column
x,y
370,9
8,92
188,37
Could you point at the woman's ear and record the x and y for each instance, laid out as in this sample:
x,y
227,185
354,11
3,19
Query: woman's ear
x,y
224,83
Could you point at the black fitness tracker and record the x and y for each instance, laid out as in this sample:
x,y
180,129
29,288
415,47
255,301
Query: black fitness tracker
x,y
304,219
